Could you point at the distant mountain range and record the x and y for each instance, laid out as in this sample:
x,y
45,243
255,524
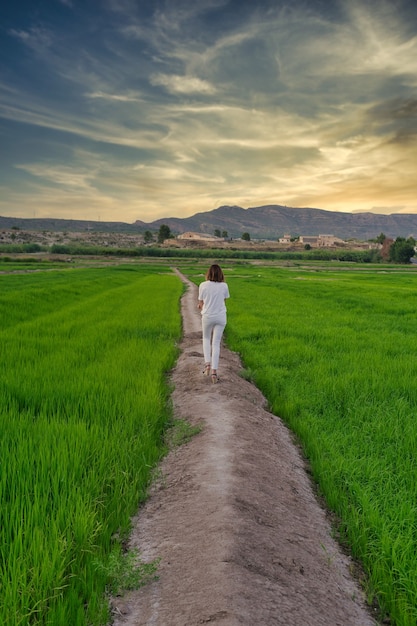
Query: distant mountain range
x,y
264,222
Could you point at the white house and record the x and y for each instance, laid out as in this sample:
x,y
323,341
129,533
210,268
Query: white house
x,y
190,236
322,241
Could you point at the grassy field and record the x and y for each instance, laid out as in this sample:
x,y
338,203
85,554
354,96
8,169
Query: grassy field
x,y
334,353
333,349
83,404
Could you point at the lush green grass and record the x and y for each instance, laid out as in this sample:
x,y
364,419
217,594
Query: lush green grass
x,y
83,403
22,263
335,354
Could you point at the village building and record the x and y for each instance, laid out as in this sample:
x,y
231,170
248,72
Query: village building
x,y
325,241
191,236
308,240
321,241
285,239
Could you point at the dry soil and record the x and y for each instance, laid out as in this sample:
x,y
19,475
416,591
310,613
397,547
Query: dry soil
x,y
233,516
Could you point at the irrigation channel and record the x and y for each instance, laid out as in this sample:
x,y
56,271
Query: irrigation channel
x,y
233,516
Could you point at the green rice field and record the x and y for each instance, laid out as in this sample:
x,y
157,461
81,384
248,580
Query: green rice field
x,y
334,351
83,405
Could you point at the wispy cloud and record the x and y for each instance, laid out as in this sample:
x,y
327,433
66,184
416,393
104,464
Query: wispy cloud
x,y
182,84
177,108
37,38
117,97
65,177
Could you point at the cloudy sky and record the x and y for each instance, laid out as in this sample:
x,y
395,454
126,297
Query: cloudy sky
x,y
138,109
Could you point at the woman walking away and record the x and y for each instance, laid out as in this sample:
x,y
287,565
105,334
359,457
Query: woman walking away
x,y
212,294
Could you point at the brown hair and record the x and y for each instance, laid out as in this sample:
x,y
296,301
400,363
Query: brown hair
x,y
215,274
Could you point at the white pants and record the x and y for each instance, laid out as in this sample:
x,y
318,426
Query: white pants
x,y
213,328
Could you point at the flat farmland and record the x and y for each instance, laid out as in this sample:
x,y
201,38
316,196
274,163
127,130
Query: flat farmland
x,y
83,405
334,353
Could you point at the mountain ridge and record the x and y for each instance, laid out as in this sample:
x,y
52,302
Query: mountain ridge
x,y
273,221
263,222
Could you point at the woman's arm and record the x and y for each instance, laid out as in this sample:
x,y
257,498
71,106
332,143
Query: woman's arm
x,y
200,304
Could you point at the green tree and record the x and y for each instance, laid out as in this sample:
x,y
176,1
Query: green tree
x,y
164,233
402,250
217,232
225,234
147,236
246,237
381,238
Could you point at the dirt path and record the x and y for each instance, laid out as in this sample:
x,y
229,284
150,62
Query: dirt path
x,y
241,536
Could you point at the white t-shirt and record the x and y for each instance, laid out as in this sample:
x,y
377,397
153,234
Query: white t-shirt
x,y
213,295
